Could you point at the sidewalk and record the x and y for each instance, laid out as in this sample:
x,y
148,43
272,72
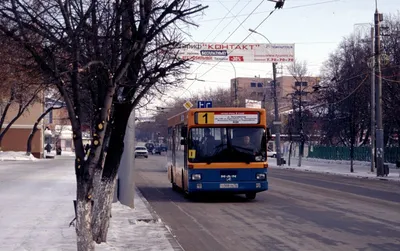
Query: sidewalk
x,y
138,229
361,169
37,209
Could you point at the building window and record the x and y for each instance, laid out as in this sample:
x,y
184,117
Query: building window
x,y
253,84
259,84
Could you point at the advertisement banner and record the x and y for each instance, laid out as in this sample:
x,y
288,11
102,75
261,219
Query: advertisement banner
x,y
247,53
252,103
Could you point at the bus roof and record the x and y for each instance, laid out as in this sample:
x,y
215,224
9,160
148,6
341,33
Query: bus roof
x,y
181,118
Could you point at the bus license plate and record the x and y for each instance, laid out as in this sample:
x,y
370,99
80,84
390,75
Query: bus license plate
x,y
229,185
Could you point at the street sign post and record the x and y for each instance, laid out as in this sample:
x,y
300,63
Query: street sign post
x,y
204,104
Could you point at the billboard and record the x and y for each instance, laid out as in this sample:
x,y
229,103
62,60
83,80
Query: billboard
x,y
252,103
233,52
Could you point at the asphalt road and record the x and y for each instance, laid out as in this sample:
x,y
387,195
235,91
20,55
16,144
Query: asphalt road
x,y
301,211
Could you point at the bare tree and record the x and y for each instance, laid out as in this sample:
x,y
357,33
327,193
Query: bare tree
x,y
20,84
299,71
347,98
115,49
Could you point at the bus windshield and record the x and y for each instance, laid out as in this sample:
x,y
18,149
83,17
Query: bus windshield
x,y
227,144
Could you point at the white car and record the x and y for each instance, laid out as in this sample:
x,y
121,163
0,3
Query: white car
x,y
271,154
141,151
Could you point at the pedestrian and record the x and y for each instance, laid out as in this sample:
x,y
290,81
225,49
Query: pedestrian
x,y
87,147
48,148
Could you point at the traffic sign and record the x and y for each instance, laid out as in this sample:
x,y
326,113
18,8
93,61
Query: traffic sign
x,y
188,105
204,104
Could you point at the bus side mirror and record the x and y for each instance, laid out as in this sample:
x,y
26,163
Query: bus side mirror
x,y
269,136
184,131
183,142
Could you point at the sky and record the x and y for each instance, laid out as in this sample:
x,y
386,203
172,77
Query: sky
x,y
316,27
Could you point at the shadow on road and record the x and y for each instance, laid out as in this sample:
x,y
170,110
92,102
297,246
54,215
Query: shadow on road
x,y
162,194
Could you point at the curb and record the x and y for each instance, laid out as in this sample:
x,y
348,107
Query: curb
x,y
170,236
340,174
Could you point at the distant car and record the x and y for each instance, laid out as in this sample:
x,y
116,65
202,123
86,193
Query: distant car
x,y
141,151
150,147
271,154
157,150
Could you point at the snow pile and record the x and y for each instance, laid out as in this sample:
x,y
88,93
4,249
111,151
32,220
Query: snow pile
x,y
360,171
67,153
10,155
346,162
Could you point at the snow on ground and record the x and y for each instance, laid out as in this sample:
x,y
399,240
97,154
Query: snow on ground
x,y
361,170
136,229
10,155
36,210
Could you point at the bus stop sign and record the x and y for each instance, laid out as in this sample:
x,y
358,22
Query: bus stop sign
x,y
204,104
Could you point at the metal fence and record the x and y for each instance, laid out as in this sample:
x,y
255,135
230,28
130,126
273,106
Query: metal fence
x,y
391,154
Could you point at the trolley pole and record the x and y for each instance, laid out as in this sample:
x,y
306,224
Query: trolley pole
x,y
277,122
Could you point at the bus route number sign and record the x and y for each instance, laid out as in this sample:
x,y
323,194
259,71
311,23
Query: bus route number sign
x,y
204,118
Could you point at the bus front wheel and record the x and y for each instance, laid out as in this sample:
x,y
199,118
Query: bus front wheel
x,y
250,196
174,187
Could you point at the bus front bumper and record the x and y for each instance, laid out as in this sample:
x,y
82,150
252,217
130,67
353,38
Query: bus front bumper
x,y
229,187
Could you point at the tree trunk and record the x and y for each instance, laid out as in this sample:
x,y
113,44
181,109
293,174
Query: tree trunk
x,y
83,222
352,141
102,210
290,152
115,148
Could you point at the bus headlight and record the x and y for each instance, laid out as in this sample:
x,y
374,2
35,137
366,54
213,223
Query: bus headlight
x,y
261,176
196,176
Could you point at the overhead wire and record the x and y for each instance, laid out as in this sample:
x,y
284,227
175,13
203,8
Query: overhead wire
x,y
219,61
234,16
222,19
234,30
262,12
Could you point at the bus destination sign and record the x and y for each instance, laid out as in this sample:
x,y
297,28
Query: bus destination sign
x,y
236,118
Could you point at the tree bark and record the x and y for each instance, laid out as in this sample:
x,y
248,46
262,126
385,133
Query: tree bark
x,y
84,220
105,191
102,210
34,129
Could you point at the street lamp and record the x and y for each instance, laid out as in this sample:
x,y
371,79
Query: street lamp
x,y
277,122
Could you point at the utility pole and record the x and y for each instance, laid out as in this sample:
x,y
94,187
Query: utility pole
x,y
277,122
379,127
236,93
372,101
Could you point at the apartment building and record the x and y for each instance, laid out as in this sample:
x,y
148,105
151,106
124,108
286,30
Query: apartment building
x,y
15,139
288,90
249,88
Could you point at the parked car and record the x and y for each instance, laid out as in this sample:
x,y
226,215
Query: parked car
x,y
141,151
271,154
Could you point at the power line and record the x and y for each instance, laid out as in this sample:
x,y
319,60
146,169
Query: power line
x,y
236,46
222,19
262,12
235,16
234,30
227,39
